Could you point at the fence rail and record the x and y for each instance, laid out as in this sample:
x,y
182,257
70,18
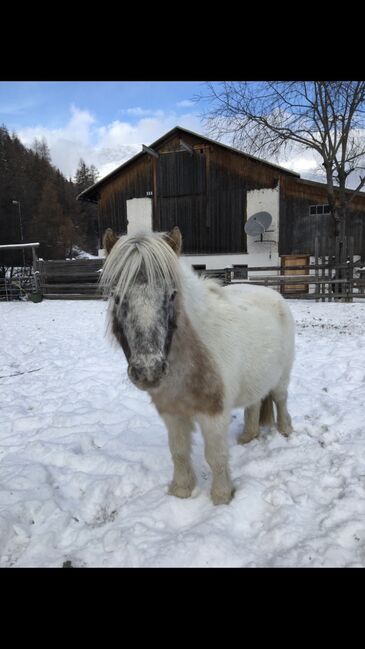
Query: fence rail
x,y
326,279
74,278
326,285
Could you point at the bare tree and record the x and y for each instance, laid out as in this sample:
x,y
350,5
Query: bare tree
x,y
41,148
269,117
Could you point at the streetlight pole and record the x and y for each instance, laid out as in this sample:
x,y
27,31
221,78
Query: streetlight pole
x,y
21,228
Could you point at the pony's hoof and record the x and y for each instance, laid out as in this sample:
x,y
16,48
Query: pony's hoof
x,y
245,438
285,430
222,497
180,492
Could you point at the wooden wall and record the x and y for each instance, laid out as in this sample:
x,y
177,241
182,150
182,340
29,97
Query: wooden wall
x,y
134,182
299,228
204,193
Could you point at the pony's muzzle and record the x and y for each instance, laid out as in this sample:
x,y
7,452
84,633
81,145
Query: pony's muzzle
x,y
147,375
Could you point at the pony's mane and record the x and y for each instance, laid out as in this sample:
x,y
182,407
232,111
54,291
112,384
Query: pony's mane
x,y
146,252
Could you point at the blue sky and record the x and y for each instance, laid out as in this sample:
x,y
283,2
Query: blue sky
x,y
105,122
102,122
23,104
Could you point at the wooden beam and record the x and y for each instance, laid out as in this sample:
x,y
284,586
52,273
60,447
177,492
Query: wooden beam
x,y
186,146
155,214
147,149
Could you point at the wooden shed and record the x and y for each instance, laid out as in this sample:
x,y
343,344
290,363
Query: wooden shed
x,y
195,183
210,190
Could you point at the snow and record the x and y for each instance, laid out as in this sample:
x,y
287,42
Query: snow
x,y
83,254
85,465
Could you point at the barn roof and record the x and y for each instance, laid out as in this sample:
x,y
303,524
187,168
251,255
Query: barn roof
x,y
316,183
90,194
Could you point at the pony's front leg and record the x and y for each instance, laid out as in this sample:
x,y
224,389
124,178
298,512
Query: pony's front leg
x,y
180,429
214,431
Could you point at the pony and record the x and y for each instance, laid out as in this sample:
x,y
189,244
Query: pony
x,y
199,349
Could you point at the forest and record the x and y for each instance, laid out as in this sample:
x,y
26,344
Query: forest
x,y
37,203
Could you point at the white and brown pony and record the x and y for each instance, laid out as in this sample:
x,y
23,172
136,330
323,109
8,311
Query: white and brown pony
x,y
198,349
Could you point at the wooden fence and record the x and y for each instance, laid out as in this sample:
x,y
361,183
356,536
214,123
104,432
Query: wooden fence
x,y
317,281
20,282
325,279
78,279
71,279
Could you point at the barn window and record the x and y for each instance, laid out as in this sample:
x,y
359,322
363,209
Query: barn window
x,y
319,209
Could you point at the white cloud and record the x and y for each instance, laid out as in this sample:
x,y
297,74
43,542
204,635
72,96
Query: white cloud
x,y
106,146
305,163
186,103
300,164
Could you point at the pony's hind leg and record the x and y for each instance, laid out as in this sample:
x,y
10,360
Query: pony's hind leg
x,y
180,429
214,431
251,426
280,396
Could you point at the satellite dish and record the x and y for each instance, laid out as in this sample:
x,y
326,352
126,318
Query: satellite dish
x,y
253,227
258,223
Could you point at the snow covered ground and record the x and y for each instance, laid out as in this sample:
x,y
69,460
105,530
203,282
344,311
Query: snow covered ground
x,y
84,459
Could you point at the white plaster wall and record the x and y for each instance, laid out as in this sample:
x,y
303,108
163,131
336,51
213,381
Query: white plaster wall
x,y
264,200
222,261
139,215
213,262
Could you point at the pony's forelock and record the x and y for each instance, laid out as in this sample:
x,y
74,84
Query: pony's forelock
x,y
143,252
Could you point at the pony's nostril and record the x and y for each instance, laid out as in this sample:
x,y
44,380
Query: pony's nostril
x,y
164,367
134,372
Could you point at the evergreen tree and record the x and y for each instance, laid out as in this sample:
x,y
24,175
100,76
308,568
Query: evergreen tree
x,y
87,222
46,202
47,223
85,176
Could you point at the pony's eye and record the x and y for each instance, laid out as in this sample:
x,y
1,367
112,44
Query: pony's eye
x,y
172,296
116,299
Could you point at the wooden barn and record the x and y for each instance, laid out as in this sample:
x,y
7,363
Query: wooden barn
x,y
210,191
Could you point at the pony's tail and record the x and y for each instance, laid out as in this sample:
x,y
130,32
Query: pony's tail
x,y
267,411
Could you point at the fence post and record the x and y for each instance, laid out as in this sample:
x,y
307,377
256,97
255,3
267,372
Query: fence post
x,y
323,270
350,269
337,263
227,276
329,273
316,254
35,269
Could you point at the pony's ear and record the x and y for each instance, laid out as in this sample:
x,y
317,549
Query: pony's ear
x,y
109,239
174,239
